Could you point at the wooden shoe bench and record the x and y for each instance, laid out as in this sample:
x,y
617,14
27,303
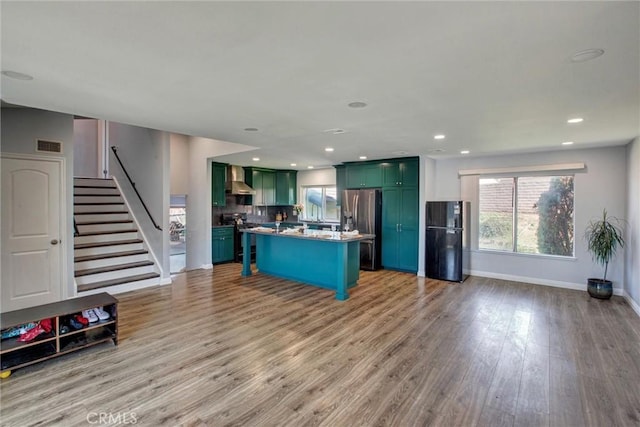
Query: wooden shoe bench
x,y
15,354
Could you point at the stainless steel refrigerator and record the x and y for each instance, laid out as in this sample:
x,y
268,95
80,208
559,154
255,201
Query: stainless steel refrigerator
x,y
362,210
447,236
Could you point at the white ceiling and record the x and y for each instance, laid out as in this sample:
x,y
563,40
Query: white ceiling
x,y
495,77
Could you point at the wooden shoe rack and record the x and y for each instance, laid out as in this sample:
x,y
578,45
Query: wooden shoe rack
x,y
15,354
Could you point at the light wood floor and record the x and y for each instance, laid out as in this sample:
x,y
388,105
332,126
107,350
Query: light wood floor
x,y
217,349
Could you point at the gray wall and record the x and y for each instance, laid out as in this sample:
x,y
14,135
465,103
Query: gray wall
x,y
20,129
86,160
602,185
145,155
632,251
179,164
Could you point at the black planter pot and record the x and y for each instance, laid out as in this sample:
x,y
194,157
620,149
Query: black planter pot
x,y
599,288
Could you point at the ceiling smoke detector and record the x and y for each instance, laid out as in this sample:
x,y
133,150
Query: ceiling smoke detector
x,y
357,104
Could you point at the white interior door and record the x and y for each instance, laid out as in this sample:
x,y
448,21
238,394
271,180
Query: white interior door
x,y
31,233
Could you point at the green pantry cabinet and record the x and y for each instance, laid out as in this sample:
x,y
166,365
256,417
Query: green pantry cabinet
x,y
221,244
286,188
399,180
218,181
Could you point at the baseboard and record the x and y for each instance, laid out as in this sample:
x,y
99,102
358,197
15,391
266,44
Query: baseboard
x,y
634,305
166,281
538,281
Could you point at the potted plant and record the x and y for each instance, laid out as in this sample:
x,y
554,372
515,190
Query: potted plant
x,y
603,238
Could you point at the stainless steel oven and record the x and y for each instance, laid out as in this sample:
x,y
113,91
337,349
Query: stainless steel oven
x,y
239,221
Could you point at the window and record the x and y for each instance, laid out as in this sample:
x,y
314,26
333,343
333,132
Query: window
x,y
319,203
527,214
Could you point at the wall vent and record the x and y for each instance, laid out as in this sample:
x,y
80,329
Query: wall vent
x,y
49,146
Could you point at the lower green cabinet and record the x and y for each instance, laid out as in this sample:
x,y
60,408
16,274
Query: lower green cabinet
x,y
221,244
400,228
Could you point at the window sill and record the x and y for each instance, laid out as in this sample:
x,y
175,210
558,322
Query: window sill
x,y
520,254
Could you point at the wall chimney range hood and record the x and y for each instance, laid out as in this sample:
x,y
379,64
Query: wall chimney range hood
x,y
235,182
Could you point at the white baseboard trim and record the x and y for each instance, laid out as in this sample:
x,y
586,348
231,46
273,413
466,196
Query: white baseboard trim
x,y
205,267
166,281
538,281
634,305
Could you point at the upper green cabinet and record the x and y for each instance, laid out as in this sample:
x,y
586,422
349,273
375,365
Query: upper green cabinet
x,y
272,187
400,173
341,182
364,175
286,187
218,181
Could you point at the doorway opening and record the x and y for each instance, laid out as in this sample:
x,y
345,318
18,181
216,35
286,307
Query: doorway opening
x,y
177,234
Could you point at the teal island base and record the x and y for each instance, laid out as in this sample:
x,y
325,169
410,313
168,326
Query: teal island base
x,y
326,263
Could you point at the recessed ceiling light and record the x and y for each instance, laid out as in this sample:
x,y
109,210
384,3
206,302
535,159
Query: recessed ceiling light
x,y
251,129
309,167
256,159
438,136
567,143
363,157
575,120
464,152
586,55
293,164
357,104
328,149
16,75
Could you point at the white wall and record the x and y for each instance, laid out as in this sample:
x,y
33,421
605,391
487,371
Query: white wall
x,y
145,155
202,151
632,238
85,148
20,129
602,185
179,164
315,177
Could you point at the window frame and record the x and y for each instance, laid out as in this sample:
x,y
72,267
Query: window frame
x,y
307,207
514,213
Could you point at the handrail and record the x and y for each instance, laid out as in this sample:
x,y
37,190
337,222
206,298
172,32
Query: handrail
x,y
75,228
133,184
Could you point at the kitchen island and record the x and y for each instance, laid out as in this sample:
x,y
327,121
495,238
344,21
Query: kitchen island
x,y
314,259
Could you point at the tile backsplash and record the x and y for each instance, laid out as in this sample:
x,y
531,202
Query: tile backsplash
x,y
257,214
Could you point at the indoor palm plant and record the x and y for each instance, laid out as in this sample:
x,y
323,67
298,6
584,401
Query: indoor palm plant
x,y
603,236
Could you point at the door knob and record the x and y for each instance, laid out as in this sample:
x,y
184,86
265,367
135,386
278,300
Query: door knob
x,y
54,242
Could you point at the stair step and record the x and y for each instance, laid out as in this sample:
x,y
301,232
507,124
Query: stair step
x,y
93,186
109,255
110,268
96,203
115,221
100,213
110,243
100,233
114,282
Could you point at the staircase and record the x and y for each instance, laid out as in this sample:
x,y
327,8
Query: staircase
x,y
109,253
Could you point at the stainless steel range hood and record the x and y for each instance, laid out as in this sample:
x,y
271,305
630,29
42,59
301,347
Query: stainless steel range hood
x,y
235,182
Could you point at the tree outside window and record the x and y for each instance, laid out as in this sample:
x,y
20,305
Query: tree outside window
x,y
320,203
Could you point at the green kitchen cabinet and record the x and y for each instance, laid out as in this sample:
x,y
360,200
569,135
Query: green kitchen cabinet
x,y
286,187
221,244
366,175
218,181
263,181
400,173
341,182
400,228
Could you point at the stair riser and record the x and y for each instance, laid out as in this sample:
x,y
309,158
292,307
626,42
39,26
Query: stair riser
x,y
107,249
94,182
102,217
77,191
105,238
99,208
83,265
105,227
92,278
97,199
125,287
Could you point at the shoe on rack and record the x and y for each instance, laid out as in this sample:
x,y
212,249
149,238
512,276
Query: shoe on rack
x,y
64,329
81,319
89,314
75,324
102,315
31,334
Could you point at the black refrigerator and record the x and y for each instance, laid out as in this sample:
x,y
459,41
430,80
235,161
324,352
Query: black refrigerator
x,y
447,234
362,210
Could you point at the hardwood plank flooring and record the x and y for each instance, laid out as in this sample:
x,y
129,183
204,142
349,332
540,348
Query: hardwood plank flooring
x,y
218,349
